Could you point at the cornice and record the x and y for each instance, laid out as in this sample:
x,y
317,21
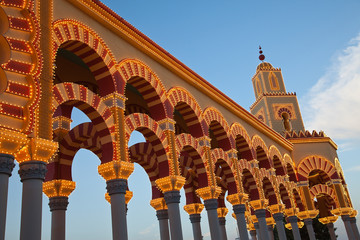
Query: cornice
x,y
314,140
119,26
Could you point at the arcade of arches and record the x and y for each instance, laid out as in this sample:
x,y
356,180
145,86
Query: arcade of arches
x,y
80,54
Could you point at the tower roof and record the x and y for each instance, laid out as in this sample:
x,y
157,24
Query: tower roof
x,y
264,66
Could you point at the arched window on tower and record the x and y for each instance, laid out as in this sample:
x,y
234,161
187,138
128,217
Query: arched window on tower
x,y
286,121
274,84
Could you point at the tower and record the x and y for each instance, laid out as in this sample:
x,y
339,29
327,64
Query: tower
x,y
273,105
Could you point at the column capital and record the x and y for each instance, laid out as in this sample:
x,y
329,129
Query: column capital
x,y
270,221
299,224
210,204
12,141
291,211
167,124
170,183
195,218
276,208
58,188
260,213
194,208
292,219
162,214
353,213
32,170
307,214
115,100
6,163
239,208
278,216
328,219
345,217
58,203
211,192
237,198
116,170
342,211
222,221
37,149
158,204
128,197
172,197
222,212
259,204
205,141
116,186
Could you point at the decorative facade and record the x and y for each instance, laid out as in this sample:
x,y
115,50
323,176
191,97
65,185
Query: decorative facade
x,y
57,55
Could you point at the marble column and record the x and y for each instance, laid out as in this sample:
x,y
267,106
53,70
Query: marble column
x,y
163,217
211,208
195,222
271,231
239,211
331,229
252,234
293,220
58,206
6,167
279,220
32,174
172,199
222,222
261,216
349,230
257,230
310,229
116,189
354,228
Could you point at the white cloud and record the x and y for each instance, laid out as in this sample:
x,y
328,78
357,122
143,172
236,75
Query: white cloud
x,y
353,169
333,104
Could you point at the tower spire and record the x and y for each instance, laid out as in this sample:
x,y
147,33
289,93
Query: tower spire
x,y
261,56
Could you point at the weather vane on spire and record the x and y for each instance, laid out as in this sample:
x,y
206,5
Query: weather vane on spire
x,y
261,56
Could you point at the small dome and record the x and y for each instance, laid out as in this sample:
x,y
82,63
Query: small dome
x,y
264,65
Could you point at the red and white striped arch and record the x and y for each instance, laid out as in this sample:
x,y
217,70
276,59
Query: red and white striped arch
x,y
285,196
145,156
76,37
224,169
314,162
140,76
213,119
249,184
297,199
320,189
191,174
91,104
242,141
262,152
277,161
152,133
186,104
269,190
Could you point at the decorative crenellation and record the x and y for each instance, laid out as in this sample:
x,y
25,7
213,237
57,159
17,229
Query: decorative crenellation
x,y
194,208
32,170
116,170
58,188
222,212
58,203
158,204
116,186
170,183
6,164
211,192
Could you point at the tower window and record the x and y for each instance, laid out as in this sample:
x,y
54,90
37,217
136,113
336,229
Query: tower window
x,y
286,121
274,84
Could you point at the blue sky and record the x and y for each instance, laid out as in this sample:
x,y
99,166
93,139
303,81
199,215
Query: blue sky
x,y
315,43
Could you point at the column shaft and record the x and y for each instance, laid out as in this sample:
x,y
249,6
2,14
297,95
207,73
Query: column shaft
x,y
261,216
310,229
252,234
354,228
58,207
271,232
195,222
222,223
172,199
211,208
117,189
6,167
163,218
279,219
239,211
32,175
257,230
349,231
330,227
295,229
